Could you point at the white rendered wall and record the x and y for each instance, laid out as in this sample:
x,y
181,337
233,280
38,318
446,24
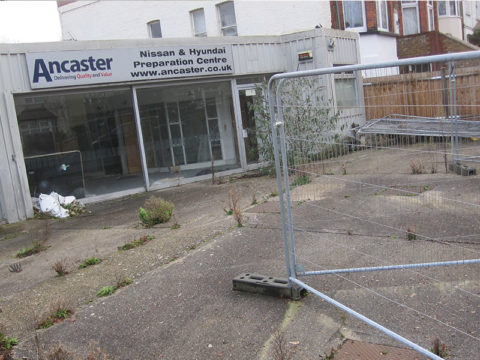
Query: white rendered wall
x,y
378,48
102,20
451,25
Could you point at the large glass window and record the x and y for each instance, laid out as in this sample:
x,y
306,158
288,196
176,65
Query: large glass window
x,y
198,23
186,129
81,144
354,15
228,22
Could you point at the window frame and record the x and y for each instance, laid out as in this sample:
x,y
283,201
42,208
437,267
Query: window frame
x,y
219,14
362,28
447,8
430,15
408,4
194,29
149,26
380,14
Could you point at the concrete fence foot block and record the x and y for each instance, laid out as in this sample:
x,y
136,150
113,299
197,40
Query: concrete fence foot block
x,y
267,285
461,169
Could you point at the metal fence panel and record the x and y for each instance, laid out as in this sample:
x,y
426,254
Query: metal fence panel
x,y
383,207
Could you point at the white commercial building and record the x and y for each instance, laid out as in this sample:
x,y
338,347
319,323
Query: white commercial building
x,y
102,119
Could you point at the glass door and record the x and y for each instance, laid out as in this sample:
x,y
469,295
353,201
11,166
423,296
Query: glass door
x,y
187,129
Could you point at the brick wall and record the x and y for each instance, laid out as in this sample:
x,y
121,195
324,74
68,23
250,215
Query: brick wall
x,y
371,15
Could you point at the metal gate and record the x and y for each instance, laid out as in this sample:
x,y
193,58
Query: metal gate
x,y
379,194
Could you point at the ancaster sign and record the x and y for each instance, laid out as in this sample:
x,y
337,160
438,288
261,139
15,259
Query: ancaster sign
x,y
86,67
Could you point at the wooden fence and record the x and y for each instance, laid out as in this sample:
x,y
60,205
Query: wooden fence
x,y
423,94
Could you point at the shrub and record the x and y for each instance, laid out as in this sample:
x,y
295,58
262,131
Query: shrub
x,y
155,211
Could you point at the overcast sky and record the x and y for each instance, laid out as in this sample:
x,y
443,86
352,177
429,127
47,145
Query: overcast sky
x,y
29,21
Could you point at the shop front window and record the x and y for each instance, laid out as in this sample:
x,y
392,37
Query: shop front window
x,y
186,129
81,144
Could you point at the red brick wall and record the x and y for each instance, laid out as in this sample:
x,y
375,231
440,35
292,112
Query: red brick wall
x,y
334,6
371,15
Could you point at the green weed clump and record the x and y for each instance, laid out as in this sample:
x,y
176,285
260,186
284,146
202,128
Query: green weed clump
x,y
109,290
34,249
7,342
155,211
60,315
301,180
135,243
89,262
106,290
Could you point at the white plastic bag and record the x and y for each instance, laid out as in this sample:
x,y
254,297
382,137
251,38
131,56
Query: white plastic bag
x,y
50,205
63,200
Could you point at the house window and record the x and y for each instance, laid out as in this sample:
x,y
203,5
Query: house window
x,y
198,23
448,8
154,29
382,17
431,20
228,22
411,25
354,15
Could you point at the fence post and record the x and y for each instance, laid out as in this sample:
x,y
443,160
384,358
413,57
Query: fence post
x,y
453,110
274,124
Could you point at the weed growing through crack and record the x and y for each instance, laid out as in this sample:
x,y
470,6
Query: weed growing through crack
x,y
411,233
175,225
280,349
234,199
59,313
330,356
440,349
89,262
135,243
121,281
417,167
28,251
124,282
106,290
301,180
6,343
60,267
